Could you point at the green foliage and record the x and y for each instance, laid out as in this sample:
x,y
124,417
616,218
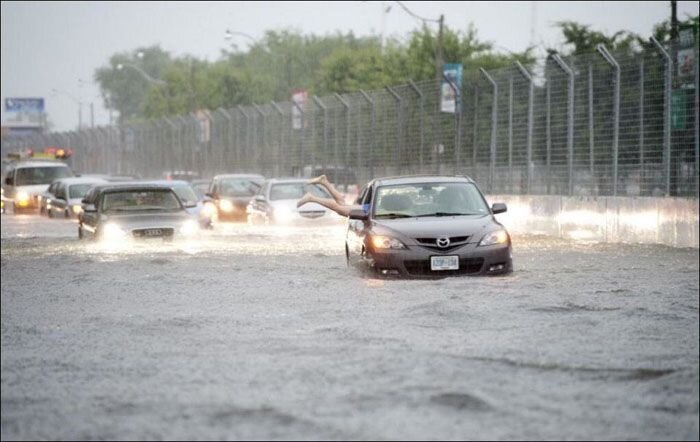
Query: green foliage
x,y
584,40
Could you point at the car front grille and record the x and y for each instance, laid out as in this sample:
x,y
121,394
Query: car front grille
x,y
431,243
155,232
422,267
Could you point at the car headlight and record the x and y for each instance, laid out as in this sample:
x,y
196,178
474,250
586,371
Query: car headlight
x,y
22,197
387,242
112,232
189,228
208,210
77,209
226,206
283,214
496,237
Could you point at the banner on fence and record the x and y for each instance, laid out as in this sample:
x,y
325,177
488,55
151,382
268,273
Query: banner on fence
x,y
451,80
299,98
24,112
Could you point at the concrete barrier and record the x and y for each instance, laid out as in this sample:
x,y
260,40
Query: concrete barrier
x,y
647,220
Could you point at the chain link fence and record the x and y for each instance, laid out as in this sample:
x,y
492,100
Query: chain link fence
x,y
597,124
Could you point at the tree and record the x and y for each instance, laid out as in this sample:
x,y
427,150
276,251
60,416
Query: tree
x,y
126,88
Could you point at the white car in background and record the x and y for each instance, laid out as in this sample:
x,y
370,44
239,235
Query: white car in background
x,y
276,203
27,179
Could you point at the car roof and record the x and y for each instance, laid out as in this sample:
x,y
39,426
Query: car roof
x,y
421,179
239,175
168,183
107,187
287,180
39,163
80,180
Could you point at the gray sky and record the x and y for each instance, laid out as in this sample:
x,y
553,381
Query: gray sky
x,y
48,45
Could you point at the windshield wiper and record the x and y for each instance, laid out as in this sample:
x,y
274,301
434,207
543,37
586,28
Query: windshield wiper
x,y
446,214
393,215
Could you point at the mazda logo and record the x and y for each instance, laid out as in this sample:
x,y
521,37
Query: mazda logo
x,y
443,242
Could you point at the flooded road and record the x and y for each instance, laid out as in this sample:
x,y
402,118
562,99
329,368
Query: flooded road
x,y
264,333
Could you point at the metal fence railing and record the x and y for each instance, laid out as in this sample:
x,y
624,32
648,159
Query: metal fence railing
x,y
597,124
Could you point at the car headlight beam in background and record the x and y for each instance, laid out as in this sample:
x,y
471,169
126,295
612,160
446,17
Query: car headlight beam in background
x,y
493,238
22,198
386,242
77,209
283,214
113,233
226,206
189,228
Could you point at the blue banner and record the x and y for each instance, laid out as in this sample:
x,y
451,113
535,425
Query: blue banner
x,y
451,88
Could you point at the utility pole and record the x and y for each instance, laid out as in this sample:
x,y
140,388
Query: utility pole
x,y
674,20
92,115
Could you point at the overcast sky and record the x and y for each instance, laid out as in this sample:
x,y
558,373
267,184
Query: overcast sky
x,y
47,45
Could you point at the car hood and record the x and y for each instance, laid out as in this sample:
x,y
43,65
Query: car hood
x,y
292,206
435,227
35,189
147,220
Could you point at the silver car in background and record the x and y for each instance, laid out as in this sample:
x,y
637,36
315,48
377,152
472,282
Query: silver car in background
x,y
119,213
276,203
64,196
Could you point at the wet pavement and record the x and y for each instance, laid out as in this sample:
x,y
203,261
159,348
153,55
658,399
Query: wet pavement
x,y
264,333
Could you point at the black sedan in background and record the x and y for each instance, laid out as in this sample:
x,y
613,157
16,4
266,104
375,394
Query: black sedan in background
x,y
427,226
230,195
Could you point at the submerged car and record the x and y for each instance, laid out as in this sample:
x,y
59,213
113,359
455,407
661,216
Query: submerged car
x,y
427,226
64,196
230,195
121,212
276,203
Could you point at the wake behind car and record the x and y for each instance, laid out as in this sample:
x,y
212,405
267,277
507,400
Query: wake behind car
x,y
64,196
134,211
427,226
276,203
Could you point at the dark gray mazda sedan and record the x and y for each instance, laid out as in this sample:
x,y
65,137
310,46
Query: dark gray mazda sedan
x,y
427,226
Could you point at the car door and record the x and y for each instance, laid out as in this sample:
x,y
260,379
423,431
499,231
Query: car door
x,y
88,218
60,200
357,229
260,203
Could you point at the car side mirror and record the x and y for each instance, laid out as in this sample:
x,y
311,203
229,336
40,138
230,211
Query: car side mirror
x,y
8,181
260,198
358,214
498,208
210,194
89,208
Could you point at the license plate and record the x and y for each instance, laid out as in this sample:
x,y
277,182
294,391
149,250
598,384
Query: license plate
x,y
444,263
153,232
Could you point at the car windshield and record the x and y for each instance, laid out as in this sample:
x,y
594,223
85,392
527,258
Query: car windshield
x,y
140,200
429,199
40,175
238,187
79,190
294,191
186,194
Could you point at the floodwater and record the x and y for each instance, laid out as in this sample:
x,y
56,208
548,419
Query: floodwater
x,y
264,333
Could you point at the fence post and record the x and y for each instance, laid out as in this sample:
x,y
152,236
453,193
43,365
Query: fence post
x,y
262,149
303,135
616,110
697,111
510,133
227,147
548,131
591,123
641,127
323,107
530,105
371,131
346,105
570,124
667,112
278,154
399,120
476,127
421,147
494,127
456,155
245,151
